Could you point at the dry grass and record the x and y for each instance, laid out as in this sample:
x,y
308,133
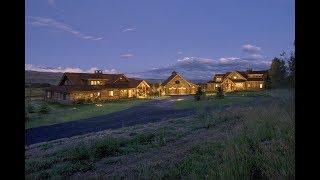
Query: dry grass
x,y
251,141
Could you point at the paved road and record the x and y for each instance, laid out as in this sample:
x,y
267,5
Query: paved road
x,y
152,111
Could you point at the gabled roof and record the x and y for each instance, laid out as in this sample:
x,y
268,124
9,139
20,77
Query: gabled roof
x,y
79,82
81,78
173,75
245,75
169,79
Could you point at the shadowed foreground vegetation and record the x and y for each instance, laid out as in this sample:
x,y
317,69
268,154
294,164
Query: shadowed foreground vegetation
x,y
59,113
241,139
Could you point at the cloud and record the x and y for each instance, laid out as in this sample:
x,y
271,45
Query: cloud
x,y
204,68
31,67
129,29
179,52
51,2
51,23
126,56
251,49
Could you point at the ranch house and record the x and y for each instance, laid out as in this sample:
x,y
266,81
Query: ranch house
x,y
239,81
75,87
177,85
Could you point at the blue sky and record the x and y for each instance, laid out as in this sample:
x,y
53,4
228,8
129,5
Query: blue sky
x,y
151,38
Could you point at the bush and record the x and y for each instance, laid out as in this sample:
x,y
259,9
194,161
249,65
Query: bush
x,y
106,147
198,94
30,108
44,109
219,94
26,116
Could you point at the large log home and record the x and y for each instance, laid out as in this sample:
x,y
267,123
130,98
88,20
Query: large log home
x,y
239,81
177,85
75,87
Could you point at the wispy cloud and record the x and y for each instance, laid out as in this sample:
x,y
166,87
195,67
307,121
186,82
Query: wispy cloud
x,y
251,49
51,2
252,52
126,56
51,23
31,67
128,29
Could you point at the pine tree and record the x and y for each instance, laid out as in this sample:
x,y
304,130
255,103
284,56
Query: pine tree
x,y
278,72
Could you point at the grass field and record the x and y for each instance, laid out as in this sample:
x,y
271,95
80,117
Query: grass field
x,y
34,93
63,113
250,138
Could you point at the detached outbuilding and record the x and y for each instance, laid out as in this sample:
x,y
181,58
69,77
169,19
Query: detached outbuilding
x,y
177,85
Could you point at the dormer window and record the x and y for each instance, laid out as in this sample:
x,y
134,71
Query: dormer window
x,y
95,82
219,79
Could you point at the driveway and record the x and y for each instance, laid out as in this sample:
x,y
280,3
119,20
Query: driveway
x,y
151,111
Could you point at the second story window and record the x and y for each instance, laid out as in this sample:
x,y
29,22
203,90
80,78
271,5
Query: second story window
x,y
95,82
218,79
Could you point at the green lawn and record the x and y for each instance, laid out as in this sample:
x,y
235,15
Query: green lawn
x,y
62,113
212,102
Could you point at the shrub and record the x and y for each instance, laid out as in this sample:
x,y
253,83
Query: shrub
x,y
77,153
44,109
219,94
198,94
106,147
26,116
30,108
80,101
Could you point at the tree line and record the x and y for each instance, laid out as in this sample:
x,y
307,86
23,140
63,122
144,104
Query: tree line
x,y
282,71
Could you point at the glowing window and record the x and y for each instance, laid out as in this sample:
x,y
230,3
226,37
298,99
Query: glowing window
x,y
98,93
48,94
260,85
91,95
110,93
248,85
234,77
218,79
217,85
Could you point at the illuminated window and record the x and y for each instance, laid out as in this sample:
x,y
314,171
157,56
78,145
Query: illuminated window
x,y
91,95
248,85
110,93
98,93
218,79
217,85
48,94
260,85
234,77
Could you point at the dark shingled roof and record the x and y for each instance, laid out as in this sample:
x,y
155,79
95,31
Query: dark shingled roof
x,y
171,77
80,78
79,82
245,75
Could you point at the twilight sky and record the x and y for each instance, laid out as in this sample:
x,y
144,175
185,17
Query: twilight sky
x,y
149,39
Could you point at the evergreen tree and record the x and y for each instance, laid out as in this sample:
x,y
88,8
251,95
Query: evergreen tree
x,y
219,94
198,94
291,68
277,72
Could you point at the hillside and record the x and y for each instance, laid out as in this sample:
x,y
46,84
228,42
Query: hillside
x,y
42,77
